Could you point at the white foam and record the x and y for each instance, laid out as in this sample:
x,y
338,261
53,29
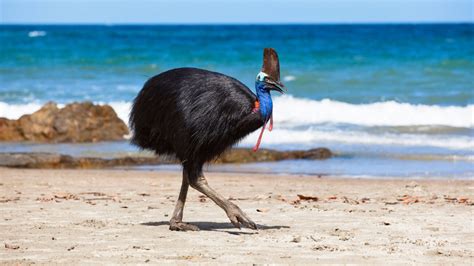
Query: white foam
x,y
15,111
122,109
314,137
289,78
290,111
303,121
36,33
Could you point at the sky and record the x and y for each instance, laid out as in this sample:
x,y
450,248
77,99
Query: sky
x,y
233,11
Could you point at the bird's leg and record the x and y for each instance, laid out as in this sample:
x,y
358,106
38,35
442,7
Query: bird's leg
x,y
235,214
176,222
255,148
270,128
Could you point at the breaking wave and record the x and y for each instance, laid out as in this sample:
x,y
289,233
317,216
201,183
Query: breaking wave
x,y
36,33
293,111
302,121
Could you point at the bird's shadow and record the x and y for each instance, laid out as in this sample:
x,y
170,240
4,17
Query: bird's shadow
x,y
215,226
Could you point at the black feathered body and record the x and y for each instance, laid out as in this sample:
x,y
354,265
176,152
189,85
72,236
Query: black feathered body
x,y
193,114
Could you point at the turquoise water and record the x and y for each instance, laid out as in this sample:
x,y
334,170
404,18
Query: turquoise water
x,y
375,94
427,64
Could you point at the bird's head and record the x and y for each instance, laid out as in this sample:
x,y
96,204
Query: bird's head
x,y
269,77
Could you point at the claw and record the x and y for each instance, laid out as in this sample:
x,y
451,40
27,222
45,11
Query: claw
x,y
235,222
180,226
238,218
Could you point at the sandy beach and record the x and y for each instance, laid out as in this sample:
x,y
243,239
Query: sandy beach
x,y
120,216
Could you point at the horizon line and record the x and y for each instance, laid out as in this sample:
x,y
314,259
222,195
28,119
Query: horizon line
x,y
228,23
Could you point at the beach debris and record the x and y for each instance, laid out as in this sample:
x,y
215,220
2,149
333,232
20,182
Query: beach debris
x,y
315,239
11,246
407,199
281,198
332,197
296,239
385,223
364,200
449,198
349,201
462,199
144,194
94,193
71,248
45,199
308,198
6,199
138,247
325,248
263,210
295,202
65,196
343,235
202,198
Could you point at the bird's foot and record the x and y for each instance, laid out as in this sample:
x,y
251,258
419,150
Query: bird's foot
x,y
181,226
238,217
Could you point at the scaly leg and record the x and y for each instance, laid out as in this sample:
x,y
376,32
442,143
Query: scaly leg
x,y
270,128
176,222
235,214
255,148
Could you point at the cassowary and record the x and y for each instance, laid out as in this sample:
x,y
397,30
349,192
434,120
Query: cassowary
x,y
195,115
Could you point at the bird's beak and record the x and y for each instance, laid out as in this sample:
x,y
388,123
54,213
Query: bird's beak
x,y
278,86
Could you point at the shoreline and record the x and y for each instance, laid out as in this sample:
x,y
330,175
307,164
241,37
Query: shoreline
x,y
121,216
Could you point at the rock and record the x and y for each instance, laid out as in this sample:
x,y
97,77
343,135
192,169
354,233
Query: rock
x,y
76,122
53,160
264,155
9,130
26,160
317,154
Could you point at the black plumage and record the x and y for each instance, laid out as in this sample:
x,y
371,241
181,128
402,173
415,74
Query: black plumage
x,y
195,115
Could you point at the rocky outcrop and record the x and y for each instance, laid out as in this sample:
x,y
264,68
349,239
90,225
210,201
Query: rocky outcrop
x,y
51,160
76,122
266,155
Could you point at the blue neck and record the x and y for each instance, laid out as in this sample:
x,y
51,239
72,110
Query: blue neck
x,y
265,100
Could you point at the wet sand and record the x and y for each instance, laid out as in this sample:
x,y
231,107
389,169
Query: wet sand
x,y
119,216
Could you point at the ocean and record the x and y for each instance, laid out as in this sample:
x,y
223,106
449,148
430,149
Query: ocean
x,y
391,100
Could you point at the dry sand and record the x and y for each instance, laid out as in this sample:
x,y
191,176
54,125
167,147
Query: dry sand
x,y
112,216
